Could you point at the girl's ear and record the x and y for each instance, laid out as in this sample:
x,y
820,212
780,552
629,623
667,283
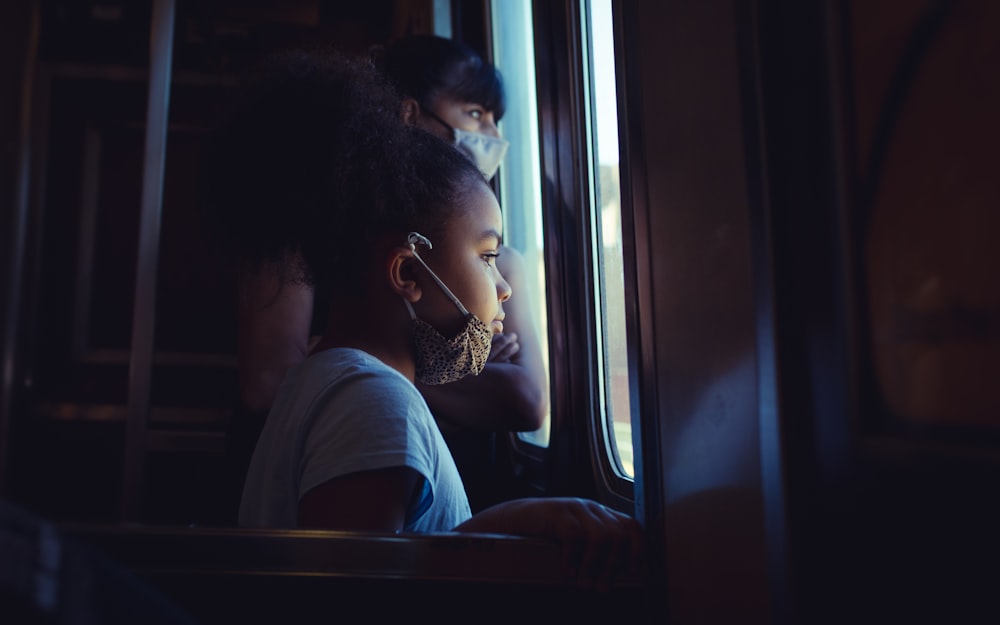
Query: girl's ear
x,y
410,110
403,266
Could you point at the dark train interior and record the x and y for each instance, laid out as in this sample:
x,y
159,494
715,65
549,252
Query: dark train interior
x,y
772,335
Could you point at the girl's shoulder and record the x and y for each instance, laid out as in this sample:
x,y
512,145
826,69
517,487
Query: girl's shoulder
x,y
339,364
359,388
348,385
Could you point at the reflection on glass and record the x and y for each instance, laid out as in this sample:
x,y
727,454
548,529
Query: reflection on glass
x,y
519,176
931,253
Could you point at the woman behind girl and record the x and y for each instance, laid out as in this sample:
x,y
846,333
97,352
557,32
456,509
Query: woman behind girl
x,y
402,232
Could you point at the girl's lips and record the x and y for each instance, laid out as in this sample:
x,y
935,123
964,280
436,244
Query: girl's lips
x,y
497,327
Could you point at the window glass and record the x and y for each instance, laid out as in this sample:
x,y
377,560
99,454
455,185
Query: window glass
x,y
610,294
519,176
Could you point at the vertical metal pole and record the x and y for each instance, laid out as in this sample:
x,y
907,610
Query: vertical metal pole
x,y
17,242
144,311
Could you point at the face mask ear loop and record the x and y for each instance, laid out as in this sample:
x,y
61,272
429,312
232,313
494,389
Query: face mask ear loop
x,y
427,111
414,238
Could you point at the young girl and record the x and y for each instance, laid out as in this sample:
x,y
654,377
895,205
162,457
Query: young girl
x,y
402,231
450,91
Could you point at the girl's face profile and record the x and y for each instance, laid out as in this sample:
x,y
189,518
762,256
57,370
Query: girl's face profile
x,y
464,258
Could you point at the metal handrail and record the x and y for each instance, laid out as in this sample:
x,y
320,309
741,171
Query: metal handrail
x,y
144,312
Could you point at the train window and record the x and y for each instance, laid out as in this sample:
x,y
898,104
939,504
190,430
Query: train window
x,y
520,174
607,237
442,18
520,185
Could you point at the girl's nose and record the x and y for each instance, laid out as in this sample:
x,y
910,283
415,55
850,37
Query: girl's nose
x,y
503,289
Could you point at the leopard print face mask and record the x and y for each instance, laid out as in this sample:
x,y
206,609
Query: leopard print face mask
x,y
440,360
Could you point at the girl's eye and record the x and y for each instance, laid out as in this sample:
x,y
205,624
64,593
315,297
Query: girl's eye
x,y
490,258
476,113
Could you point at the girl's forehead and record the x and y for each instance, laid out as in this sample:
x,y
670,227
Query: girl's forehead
x,y
477,214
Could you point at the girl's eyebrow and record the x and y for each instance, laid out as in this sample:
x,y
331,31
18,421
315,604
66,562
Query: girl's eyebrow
x,y
491,234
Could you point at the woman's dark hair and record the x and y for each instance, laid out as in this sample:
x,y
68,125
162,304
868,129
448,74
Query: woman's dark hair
x,y
316,164
425,67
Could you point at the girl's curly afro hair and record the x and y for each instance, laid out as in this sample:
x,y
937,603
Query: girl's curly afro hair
x,y
315,163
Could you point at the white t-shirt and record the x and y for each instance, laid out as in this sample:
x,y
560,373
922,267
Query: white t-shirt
x,y
343,411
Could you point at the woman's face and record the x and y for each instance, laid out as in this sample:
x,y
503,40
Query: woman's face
x,y
467,116
464,258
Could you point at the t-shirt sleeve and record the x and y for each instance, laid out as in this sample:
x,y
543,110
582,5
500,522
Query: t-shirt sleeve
x,y
366,421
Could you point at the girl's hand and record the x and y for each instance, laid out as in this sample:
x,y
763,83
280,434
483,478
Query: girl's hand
x,y
504,347
598,543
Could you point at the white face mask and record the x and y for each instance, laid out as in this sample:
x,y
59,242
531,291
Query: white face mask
x,y
483,150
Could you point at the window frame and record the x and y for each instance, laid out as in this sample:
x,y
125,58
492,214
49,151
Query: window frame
x,y
579,458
